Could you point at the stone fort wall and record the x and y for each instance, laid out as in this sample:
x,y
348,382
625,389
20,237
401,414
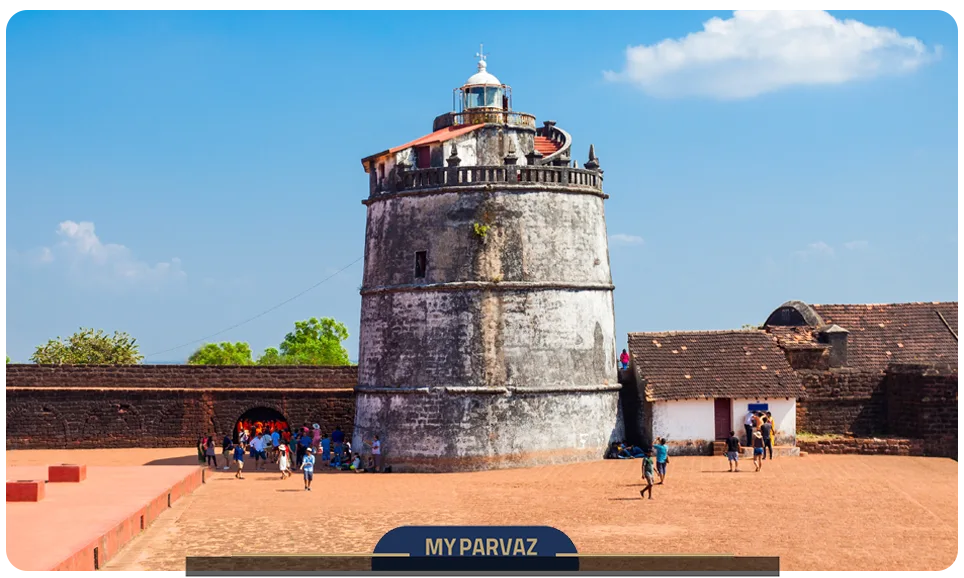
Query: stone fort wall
x,y
842,401
170,406
922,403
917,402
165,405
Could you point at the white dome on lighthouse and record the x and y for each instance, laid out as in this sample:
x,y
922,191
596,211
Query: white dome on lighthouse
x,y
483,77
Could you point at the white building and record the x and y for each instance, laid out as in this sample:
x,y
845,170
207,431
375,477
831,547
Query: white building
x,y
694,388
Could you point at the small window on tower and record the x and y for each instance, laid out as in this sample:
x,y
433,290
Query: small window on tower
x,y
421,261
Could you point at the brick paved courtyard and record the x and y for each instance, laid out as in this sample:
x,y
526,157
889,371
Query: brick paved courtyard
x,y
815,512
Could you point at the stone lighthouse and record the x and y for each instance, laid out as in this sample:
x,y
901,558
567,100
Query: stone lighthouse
x,y
487,328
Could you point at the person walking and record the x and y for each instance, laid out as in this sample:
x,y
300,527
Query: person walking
x,y
662,458
315,437
275,442
647,475
257,447
773,430
758,450
300,450
748,427
212,459
733,452
766,430
239,459
308,467
226,451
624,360
283,461
202,450
293,452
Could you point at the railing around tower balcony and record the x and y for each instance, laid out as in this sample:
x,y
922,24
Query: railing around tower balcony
x,y
518,119
417,179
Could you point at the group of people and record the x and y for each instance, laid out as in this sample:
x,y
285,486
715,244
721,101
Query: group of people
x,y
290,451
623,451
760,435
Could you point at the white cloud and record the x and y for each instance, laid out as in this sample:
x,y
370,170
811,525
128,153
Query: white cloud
x,y
818,249
93,260
856,245
623,239
761,51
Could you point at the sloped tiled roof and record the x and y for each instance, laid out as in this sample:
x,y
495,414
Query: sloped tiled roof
x,y
793,336
881,334
712,364
438,136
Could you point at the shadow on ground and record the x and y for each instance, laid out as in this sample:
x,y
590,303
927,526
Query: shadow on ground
x,y
189,460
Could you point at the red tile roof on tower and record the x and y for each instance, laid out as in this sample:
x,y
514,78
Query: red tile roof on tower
x,y
712,364
438,136
881,334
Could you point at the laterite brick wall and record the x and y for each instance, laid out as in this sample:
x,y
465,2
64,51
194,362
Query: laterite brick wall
x,y
842,401
922,403
164,406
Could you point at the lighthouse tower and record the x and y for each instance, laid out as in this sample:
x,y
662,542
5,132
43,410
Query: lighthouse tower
x,y
487,329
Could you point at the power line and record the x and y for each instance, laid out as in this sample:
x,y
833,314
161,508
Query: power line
x,y
265,312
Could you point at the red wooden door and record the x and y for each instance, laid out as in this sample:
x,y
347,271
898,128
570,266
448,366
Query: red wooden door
x,y
424,157
723,418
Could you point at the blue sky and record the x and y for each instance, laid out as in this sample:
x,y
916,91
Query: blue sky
x,y
216,155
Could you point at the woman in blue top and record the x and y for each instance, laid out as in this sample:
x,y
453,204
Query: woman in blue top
x,y
661,458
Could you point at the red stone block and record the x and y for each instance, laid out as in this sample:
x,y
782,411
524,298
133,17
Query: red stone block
x,y
67,473
25,490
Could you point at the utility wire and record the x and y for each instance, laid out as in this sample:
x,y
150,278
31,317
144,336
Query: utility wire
x,y
265,312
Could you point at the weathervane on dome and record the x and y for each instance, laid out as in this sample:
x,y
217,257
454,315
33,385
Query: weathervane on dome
x,y
481,56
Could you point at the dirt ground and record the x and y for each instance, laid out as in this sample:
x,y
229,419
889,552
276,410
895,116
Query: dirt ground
x,y
818,512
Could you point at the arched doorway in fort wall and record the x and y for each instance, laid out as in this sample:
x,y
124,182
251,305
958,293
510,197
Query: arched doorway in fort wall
x,y
260,419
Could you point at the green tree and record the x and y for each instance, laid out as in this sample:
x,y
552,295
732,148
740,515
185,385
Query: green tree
x,y
89,347
8,360
271,356
313,342
225,353
751,326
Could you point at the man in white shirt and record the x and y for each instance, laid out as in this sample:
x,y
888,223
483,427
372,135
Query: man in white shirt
x,y
748,426
257,448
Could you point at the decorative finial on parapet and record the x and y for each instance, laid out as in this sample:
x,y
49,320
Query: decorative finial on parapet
x,y
533,157
454,159
593,163
510,158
